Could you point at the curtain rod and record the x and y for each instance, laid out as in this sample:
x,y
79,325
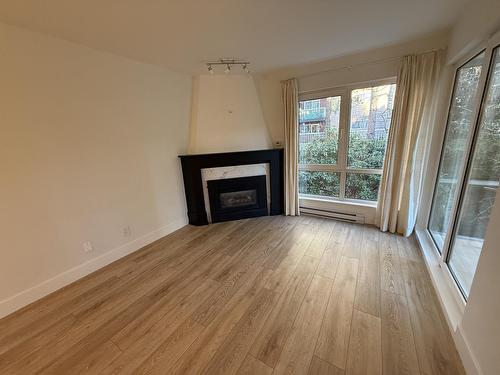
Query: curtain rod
x,y
348,67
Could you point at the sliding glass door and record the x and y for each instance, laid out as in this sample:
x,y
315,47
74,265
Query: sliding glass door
x,y
481,186
469,170
459,129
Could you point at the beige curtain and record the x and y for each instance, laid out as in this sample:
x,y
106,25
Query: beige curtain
x,y
412,118
290,103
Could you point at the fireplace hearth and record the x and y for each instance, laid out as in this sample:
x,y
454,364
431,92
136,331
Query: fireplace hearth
x,y
237,198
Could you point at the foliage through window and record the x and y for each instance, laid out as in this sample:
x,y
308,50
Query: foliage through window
x,y
341,157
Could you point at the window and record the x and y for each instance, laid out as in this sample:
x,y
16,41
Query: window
x,y
342,141
459,128
469,171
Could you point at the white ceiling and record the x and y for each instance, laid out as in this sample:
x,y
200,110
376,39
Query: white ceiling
x,y
182,34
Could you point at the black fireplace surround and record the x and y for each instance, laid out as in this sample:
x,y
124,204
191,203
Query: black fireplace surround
x,y
193,164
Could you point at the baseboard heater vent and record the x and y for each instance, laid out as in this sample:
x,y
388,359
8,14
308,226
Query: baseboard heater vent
x,y
338,215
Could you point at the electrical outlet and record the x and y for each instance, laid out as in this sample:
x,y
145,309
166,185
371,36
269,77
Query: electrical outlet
x,y
127,232
87,246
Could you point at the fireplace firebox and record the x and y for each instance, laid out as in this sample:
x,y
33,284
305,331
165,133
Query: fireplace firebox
x,y
237,198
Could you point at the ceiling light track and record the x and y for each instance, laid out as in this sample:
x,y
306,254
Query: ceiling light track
x,y
228,63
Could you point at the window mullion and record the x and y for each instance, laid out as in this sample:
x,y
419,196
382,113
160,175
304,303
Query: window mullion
x,y
343,136
319,167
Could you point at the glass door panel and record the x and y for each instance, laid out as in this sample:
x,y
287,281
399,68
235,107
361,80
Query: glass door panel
x,y
459,127
481,187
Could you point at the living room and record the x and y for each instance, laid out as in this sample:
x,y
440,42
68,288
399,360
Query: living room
x,y
250,187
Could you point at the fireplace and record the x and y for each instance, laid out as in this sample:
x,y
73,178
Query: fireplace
x,y
237,198
196,201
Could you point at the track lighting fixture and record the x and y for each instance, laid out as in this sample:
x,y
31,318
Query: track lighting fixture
x,y
229,64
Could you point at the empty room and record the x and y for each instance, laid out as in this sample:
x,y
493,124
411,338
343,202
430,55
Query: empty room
x,y
250,187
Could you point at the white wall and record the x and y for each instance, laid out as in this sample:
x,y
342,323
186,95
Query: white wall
x,y
227,115
479,20
88,145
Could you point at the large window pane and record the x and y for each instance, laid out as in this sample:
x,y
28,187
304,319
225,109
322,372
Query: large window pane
x,y
460,124
325,184
482,186
371,111
318,130
362,186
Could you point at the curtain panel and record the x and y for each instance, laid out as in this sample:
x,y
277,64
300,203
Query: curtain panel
x,y
412,119
290,96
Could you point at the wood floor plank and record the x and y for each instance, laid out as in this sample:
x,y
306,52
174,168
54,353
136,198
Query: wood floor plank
x,y
291,248
160,317
320,367
408,248
365,345
203,349
368,284
175,299
321,238
165,356
88,350
258,252
115,308
145,353
333,251
257,248
231,354
241,297
92,364
37,342
435,350
269,344
252,366
287,265
390,265
354,241
299,347
29,331
399,356
333,339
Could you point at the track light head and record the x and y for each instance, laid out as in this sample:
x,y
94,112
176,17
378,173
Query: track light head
x,y
228,64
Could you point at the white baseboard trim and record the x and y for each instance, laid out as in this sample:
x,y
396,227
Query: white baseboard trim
x,y
19,300
469,360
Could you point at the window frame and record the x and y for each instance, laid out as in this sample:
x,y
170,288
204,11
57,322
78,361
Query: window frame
x,y
341,167
470,139
423,228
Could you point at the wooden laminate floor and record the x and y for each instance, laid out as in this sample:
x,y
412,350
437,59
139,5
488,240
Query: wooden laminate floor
x,y
271,295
